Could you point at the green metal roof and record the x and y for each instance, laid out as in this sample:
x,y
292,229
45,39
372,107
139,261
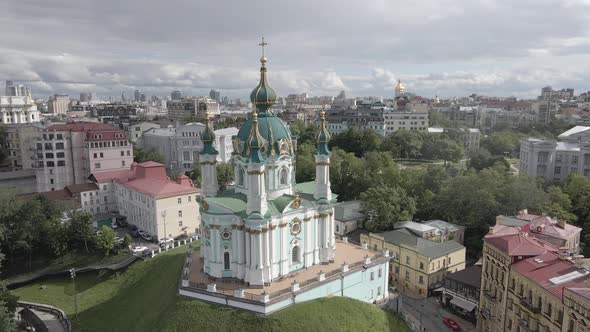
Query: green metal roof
x,y
403,237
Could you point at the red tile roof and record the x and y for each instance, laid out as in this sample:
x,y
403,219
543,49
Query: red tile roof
x,y
149,178
550,267
519,244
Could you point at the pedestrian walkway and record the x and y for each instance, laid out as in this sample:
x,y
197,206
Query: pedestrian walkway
x,y
51,321
42,317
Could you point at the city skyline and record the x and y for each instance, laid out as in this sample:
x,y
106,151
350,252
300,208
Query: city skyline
x,y
509,49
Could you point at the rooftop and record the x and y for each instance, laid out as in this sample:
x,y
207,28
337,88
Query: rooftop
x,y
568,146
574,131
470,276
403,237
83,126
553,273
519,244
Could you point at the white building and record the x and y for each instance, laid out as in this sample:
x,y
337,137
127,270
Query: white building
x,y
135,131
556,160
149,199
395,121
347,217
18,109
224,144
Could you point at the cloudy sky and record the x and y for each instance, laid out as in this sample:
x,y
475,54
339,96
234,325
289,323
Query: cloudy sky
x,y
444,47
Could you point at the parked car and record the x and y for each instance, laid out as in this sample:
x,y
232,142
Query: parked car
x,y
138,249
145,235
114,226
134,233
451,324
132,227
165,242
119,240
122,222
195,237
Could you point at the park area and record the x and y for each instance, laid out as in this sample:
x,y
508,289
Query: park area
x,y
144,298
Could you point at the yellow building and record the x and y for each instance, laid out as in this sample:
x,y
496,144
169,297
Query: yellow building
x,y
419,265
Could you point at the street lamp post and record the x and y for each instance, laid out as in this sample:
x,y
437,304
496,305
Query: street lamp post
x,y
73,275
163,214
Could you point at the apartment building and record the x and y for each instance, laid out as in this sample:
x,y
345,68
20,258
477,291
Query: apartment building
x,y
224,144
194,107
411,120
419,265
59,104
18,142
434,230
150,200
18,109
68,153
556,160
528,262
135,131
460,292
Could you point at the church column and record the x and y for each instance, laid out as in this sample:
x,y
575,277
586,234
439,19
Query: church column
x,y
316,240
284,250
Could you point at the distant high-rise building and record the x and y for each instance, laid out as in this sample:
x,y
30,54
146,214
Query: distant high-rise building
x,y
143,98
137,95
58,104
123,97
17,89
215,95
176,95
92,96
84,97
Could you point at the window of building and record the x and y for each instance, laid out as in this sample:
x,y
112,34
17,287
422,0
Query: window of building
x,y
549,309
557,170
179,214
380,272
396,270
226,263
122,162
407,275
97,165
449,260
180,223
128,152
122,153
186,155
188,198
59,146
95,155
102,155
421,280
50,181
407,259
179,200
295,255
372,275
50,164
379,291
61,163
60,155
49,155
283,176
240,176
421,266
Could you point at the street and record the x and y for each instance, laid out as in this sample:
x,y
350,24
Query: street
x,y
431,314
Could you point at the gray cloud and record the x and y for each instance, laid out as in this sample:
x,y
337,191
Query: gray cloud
x,y
445,47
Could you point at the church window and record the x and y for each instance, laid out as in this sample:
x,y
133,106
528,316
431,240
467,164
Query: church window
x,y
296,227
283,174
240,176
226,260
295,255
226,235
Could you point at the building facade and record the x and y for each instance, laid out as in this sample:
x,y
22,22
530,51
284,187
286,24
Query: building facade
x,y
555,161
347,217
20,138
18,109
419,265
135,131
461,290
58,104
191,108
150,200
67,154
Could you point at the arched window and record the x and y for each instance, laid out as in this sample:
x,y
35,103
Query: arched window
x,y
240,176
283,174
295,255
226,260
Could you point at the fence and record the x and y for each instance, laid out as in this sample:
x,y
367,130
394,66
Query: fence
x,y
63,319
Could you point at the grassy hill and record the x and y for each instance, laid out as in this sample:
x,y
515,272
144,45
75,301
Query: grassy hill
x,y
144,299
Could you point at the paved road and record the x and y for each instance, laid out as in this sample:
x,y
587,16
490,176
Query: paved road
x,y
432,314
51,321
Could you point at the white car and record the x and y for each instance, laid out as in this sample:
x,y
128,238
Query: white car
x,y
137,249
119,240
166,240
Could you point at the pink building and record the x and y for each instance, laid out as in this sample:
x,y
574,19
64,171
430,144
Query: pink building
x,y
68,153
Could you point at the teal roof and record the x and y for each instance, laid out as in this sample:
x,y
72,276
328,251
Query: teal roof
x,y
271,128
323,137
263,96
208,138
422,246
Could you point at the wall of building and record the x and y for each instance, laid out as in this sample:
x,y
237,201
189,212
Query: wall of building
x,y
187,222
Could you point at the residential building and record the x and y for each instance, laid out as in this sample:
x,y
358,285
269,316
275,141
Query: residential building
x,y
149,199
419,265
68,153
409,120
135,131
58,104
137,95
224,144
347,217
18,109
19,142
471,138
215,95
461,290
191,108
555,161
180,147
528,260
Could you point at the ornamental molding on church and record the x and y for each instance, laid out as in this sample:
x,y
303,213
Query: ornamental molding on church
x,y
226,234
295,227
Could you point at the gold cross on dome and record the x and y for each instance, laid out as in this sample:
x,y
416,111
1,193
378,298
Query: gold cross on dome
x,y
262,44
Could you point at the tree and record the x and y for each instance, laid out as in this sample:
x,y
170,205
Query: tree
x,y
81,227
58,235
8,304
356,141
347,175
484,159
305,162
503,143
225,175
384,206
408,143
305,133
448,150
559,205
105,241
195,175
140,155
127,240
520,193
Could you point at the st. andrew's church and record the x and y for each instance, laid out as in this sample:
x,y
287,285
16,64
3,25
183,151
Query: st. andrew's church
x,y
267,233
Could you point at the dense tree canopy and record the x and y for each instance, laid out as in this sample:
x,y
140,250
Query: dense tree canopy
x,y
225,175
141,155
384,206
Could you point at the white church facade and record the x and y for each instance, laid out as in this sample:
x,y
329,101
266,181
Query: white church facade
x,y
267,236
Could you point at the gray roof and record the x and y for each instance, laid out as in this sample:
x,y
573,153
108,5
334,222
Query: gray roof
x,y
347,211
424,247
442,225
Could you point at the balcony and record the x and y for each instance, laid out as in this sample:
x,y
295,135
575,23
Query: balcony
x,y
489,294
529,306
524,326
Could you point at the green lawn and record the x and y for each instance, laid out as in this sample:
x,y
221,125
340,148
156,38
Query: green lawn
x,y
144,299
